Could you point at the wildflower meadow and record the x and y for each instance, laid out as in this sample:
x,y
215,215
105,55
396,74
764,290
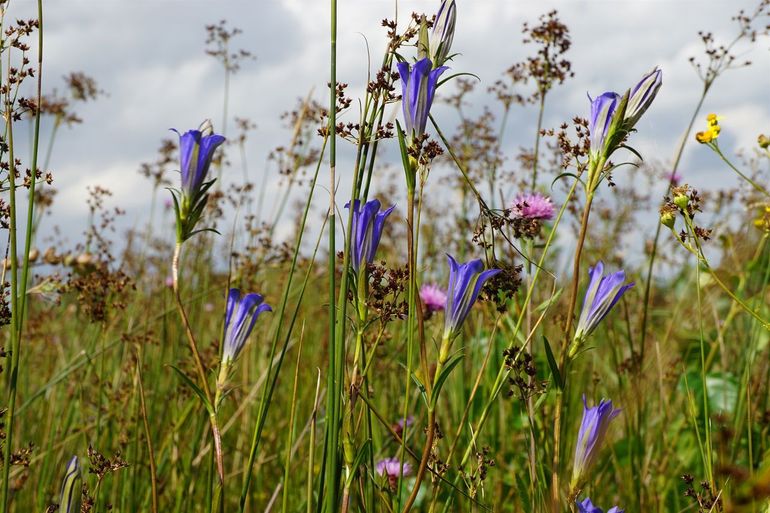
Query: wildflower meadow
x,y
399,311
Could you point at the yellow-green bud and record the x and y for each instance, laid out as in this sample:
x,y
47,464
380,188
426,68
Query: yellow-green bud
x,y
764,141
681,201
667,219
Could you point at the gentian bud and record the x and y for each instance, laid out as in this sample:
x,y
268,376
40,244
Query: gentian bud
x,y
71,488
418,86
443,32
366,232
240,315
642,95
593,431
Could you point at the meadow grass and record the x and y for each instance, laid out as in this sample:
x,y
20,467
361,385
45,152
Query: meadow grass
x,y
486,345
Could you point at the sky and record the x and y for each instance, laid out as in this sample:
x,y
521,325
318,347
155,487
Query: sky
x,y
148,56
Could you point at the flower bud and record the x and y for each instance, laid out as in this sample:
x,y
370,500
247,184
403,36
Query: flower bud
x,y
681,201
642,95
667,218
764,141
206,128
443,32
71,493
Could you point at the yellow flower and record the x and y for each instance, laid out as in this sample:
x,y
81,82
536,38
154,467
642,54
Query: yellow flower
x,y
763,221
711,132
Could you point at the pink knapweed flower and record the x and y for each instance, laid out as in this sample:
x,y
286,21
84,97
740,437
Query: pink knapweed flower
x,y
533,206
433,297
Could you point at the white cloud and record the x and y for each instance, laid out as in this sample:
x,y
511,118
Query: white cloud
x,y
148,55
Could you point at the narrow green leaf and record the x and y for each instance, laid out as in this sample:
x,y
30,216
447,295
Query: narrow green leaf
x,y
195,389
552,364
442,377
363,452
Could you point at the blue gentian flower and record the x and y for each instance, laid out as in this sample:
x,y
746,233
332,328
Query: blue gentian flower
x,y
240,316
70,496
465,283
196,150
366,231
418,85
601,295
443,32
602,109
593,431
642,95
586,506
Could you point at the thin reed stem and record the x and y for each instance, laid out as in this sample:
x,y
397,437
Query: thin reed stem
x,y
336,352
199,366
16,314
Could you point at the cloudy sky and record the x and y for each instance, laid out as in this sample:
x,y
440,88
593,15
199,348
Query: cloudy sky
x,y
149,57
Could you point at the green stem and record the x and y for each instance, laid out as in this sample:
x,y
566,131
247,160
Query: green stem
x,y
267,392
200,368
754,184
336,353
656,240
502,373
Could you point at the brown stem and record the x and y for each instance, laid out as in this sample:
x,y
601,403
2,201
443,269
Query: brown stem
x,y
565,348
575,277
198,363
423,461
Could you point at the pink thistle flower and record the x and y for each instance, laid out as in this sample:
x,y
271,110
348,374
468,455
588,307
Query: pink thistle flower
x,y
433,296
533,206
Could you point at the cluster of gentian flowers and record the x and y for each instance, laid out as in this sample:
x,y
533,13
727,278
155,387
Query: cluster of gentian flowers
x,y
196,153
465,280
603,292
419,81
613,116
